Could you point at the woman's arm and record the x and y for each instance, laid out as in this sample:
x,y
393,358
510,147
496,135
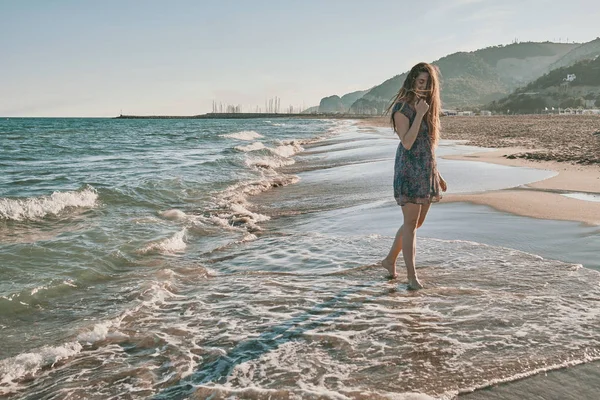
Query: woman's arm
x,y
405,131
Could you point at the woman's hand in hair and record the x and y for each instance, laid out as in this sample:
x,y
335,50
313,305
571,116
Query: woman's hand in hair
x,y
422,107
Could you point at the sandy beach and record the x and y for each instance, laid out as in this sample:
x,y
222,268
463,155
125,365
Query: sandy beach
x,y
566,145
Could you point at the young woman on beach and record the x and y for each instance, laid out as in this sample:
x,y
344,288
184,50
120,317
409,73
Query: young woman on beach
x,y
415,117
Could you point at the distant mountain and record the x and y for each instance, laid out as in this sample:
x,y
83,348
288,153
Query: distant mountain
x,y
349,98
475,78
586,51
336,104
332,104
576,85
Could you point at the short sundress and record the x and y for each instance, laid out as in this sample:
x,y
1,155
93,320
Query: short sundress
x,y
416,178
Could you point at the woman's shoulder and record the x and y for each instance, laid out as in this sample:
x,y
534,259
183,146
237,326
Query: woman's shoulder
x,y
403,106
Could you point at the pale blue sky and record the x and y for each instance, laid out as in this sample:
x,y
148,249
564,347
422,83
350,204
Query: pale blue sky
x,y
96,58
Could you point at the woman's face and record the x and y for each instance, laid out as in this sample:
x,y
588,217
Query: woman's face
x,y
421,82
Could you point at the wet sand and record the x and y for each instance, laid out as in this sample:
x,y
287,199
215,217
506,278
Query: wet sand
x,y
579,382
565,144
543,199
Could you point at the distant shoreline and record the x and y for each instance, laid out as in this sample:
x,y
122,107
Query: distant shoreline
x,y
248,116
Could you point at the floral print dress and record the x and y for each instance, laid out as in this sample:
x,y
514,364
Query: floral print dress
x,y
416,178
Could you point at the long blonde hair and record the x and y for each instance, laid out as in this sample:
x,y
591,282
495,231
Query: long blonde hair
x,y
431,94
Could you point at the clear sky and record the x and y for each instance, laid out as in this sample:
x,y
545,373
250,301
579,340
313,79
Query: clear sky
x,y
96,58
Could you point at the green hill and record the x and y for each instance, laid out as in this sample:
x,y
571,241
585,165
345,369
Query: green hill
x,y
331,104
337,104
349,98
475,78
584,52
554,90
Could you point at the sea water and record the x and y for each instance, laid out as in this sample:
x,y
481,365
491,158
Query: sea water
x,y
238,259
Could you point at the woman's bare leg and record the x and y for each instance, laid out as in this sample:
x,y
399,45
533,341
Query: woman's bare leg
x,y
389,262
423,214
409,242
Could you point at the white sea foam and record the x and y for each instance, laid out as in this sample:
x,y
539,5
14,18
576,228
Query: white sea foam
x,y
234,208
241,212
249,237
268,162
237,194
219,221
340,126
27,364
156,293
320,392
243,135
287,149
35,290
172,245
274,123
69,282
97,333
39,207
173,214
251,147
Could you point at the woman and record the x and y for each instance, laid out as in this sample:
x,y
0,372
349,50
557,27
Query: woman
x,y
415,117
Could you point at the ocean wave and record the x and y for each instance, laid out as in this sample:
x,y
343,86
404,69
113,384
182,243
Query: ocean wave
x,y
232,210
171,245
287,149
24,366
33,208
29,297
27,364
268,162
101,331
280,156
17,371
340,126
173,215
243,135
251,147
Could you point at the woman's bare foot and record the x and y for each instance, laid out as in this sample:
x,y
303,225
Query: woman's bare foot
x,y
391,268
414,284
